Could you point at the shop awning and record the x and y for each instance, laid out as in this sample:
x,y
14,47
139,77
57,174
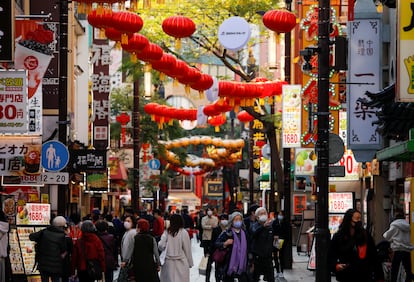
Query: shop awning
x,y
183,199
402,152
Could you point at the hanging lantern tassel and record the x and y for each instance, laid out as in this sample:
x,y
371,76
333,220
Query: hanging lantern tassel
x,y
178,44
270,100
187,89
134,5
217,128
133,57
261,101
175,82
170,122
147,4
277,38
201,94
162,76
124,39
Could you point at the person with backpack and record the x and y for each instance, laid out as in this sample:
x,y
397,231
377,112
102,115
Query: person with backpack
x,y
110,248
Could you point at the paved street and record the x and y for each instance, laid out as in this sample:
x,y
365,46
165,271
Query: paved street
x,y
298,273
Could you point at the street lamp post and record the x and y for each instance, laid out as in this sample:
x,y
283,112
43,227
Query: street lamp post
x,y
137,146
322,145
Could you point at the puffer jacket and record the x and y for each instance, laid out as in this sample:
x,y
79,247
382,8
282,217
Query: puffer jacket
x,y
51,249
399,236
4,229
261,240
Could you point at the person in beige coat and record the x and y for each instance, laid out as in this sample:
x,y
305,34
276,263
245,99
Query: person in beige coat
x,y
208,223
176,244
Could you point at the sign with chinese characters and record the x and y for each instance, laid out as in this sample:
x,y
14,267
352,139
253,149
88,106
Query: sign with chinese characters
x,y
6,30
405,64
259,140
83,160
351,167
364,75
214,188
33,214
101,86
340,202
291,116
13,102
20,156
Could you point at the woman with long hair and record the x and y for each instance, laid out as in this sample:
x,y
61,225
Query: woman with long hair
x,y
176,244
352,254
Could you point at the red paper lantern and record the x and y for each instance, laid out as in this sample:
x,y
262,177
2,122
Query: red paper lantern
x,y
136,43
211,110
192,75
123,119
165,63
113,34
151,52
178,27
216,121
204,82
100,20
245,117
179,70
127,23
280,21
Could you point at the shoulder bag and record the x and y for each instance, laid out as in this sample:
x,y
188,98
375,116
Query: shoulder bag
x,y
93,267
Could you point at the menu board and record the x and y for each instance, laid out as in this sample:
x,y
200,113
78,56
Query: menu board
x,y
22,250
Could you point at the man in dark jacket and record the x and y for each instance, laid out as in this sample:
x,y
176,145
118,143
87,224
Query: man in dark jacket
x,y
261,244
51,249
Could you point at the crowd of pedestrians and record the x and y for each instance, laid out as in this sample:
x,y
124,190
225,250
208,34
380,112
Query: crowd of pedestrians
x,y
243,248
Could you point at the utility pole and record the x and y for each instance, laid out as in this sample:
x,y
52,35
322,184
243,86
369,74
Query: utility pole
x,y
286,157
137,146
322,145
63,92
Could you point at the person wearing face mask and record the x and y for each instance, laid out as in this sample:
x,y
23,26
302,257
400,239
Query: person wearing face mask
x,y
127,242
261,246
280,232
223,222
208,223
235,239
352,254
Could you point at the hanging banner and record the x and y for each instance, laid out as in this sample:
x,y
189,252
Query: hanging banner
x,y
33,52
291,116
13,102
364,75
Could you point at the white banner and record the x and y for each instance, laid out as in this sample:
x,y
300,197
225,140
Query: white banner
x,y
33,214
291,116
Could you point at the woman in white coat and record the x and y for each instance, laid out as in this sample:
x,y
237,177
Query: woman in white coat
x,y
177,246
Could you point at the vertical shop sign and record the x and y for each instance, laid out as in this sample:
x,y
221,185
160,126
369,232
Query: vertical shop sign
x,y
6,30
101,59
291,116
259,140
13,102
364,75
405,59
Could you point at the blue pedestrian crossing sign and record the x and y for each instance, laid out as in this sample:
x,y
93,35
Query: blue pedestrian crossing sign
x,y
154,164
55,155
